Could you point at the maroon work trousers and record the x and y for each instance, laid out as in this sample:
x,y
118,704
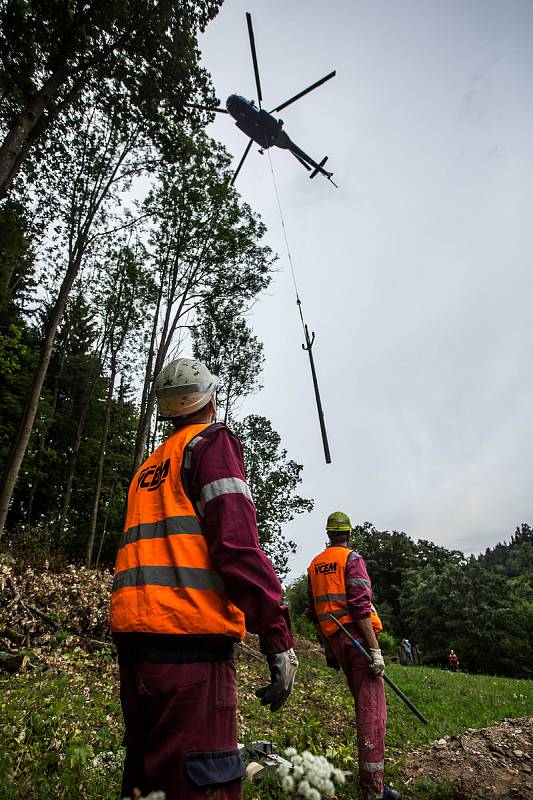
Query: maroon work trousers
x,y
181,730
370,712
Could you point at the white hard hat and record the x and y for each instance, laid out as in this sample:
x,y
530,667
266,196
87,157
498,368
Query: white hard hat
x,y
183,387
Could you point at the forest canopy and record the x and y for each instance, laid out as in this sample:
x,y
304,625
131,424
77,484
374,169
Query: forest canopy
x,y
123,244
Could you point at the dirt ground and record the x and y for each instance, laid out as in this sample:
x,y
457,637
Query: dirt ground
x,y
495,762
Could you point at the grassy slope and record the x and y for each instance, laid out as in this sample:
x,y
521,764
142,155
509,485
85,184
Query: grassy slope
x,y
52,727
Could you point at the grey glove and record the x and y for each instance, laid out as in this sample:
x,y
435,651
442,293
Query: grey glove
x,y
378,665
283,668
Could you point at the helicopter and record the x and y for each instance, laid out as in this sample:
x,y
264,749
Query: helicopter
x,y
262,127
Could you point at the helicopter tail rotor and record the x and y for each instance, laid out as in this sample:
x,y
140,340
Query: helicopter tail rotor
x,y
319,168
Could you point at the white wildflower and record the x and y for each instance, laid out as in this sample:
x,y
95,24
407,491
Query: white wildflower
x,y
313,775
287,784
338,776
298,773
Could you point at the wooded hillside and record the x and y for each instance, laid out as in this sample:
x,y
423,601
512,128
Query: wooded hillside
x,y
123,244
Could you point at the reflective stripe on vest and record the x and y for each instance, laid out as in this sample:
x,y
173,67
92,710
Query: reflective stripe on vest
x,y
164,581
327,576
220,487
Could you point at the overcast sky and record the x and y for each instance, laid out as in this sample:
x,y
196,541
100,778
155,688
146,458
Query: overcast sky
x,y
416,274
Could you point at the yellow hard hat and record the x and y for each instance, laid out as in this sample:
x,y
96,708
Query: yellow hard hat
x,y
338,522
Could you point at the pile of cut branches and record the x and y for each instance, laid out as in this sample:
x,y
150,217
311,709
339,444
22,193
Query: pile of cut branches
x,y
35,604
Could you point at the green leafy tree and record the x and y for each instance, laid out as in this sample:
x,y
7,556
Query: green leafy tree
x,y
387,556
72,369
126,291
19,345
137,59
223,340
296,597
514,558
273,480
206,246
460,608
17,280
101,164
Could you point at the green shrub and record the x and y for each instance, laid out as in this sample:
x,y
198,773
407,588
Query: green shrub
x,y
303,627
387,644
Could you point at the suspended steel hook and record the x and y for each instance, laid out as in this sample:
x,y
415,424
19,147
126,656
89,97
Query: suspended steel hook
x,y
308,347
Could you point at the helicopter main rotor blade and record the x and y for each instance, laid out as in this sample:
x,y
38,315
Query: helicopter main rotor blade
x,y
206,108
305,91
241,162
254,57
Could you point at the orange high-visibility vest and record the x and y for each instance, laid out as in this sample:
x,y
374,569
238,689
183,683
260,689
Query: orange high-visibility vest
x,y
164,581
327,575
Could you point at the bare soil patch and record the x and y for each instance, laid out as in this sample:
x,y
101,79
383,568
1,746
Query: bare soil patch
x,y
495,762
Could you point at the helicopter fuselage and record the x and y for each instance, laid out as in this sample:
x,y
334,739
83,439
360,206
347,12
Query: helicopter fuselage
x,y
267,131
255,122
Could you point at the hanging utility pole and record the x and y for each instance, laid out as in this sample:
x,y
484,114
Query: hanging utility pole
x,y
308,346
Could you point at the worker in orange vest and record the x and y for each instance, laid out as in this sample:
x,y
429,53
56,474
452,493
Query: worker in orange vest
x,y
338,584
190,579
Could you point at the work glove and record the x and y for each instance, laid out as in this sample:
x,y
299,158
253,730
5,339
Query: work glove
x,y
377,665
283,668
331,658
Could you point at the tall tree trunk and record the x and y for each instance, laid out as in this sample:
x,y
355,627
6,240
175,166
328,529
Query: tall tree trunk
x,y
143,426
22,438
154,438
143,432
44,434
104,529
99,191
15,144
167,333
67,494
100,467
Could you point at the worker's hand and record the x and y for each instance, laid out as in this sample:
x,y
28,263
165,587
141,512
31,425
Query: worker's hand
x,y
378,665
283,668
331,658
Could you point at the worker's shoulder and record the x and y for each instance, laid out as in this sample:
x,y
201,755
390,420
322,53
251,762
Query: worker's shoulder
x,y
216,436
353,556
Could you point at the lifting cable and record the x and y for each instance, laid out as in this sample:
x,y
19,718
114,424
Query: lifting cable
x,y
309,340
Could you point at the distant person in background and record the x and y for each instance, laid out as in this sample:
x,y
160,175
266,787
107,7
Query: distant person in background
x,y
453,661
407,651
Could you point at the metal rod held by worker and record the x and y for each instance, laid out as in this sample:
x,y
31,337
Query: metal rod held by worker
x,y
386,678
309,347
